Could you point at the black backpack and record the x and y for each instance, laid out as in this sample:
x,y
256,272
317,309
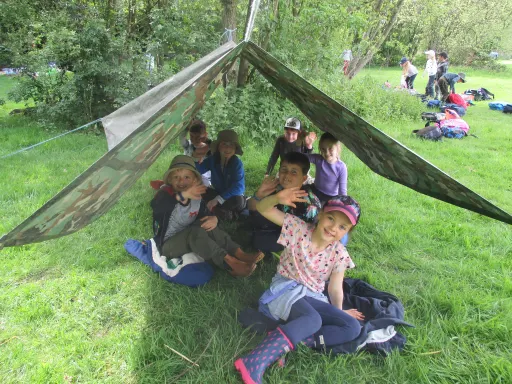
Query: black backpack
x,y
507,108
486,94
430,132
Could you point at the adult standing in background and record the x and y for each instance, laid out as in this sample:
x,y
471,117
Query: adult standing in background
x,y
442,68
347,57
430,70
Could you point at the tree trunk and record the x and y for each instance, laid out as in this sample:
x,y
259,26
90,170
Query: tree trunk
x,y
229,24
243,69
376,35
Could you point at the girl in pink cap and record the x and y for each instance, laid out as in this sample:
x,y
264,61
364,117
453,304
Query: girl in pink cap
x,y
313,254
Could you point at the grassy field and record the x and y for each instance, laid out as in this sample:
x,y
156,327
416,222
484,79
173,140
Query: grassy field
x,y
80,309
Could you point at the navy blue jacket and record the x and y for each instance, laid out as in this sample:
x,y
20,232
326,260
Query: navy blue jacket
x,y
228,183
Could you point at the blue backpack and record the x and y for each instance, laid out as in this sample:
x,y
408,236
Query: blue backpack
x,y
460,110
497,105
433,104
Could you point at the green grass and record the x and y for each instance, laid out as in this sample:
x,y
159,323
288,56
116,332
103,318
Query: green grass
x,y
80,309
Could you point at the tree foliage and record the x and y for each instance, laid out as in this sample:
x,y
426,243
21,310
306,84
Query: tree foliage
x,y
98,51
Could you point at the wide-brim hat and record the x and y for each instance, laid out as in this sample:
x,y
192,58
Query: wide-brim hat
x,y
227,135
462,76
182,162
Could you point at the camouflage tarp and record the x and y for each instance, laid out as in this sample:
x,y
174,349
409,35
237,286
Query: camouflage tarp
x,y
381,153
96,190
120,123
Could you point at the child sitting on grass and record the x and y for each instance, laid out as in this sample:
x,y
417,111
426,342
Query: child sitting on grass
x,y
292,173
183,224
331,172
313,254
225,198
198,146
290,142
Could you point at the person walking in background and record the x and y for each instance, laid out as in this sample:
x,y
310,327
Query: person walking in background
x,y
409,71
347,58
442,68
430,70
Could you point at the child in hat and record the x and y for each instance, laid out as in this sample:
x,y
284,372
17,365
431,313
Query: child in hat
x,y
225,198
409,71
183,224
448,80
291,142
313,254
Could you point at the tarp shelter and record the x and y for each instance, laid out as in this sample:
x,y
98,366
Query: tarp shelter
x,y
139,131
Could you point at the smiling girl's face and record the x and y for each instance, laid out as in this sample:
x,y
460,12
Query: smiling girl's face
x,y
333,225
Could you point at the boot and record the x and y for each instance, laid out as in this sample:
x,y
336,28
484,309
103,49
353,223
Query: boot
x,y
253,365
237,267
249,257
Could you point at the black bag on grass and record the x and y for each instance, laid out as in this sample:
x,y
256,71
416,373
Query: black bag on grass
x,y
507,108
430,132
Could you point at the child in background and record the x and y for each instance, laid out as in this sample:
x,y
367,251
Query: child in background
x,y
293,172
290,142
409,71
198,146
331,173
225,198
313,254
430,70
183,224
442,68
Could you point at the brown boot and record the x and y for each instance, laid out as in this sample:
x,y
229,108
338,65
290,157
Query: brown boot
x,y
238,267
249,257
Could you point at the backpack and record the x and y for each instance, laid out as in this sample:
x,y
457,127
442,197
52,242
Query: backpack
x,y
480,94
507,108
454,128
486,94
432,116
433,104
457,108
450,114
457,99
497,105
430,132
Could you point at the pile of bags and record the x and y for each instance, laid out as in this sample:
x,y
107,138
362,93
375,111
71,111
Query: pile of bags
x,y
448,124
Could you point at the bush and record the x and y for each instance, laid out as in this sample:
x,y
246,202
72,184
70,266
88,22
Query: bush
x,y
258,112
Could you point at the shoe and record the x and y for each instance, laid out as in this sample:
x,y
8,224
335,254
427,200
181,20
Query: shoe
x,y
249,257
272,348
237,267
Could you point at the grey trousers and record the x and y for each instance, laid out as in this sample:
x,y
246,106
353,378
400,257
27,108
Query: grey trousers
x,y
212,245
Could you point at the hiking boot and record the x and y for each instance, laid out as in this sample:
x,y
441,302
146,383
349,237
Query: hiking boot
x,y
249,257
237,267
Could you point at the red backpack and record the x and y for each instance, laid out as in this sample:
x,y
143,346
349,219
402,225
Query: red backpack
x,y
455,98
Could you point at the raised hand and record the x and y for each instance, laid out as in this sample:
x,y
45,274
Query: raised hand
x,y
290,196
310,139
194,192
268,186
209,223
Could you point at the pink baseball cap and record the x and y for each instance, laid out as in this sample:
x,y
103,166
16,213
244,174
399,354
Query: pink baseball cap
x,y
345,205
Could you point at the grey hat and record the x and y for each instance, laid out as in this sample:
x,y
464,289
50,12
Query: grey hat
x,y
182,162
462,76
293,123
227,135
